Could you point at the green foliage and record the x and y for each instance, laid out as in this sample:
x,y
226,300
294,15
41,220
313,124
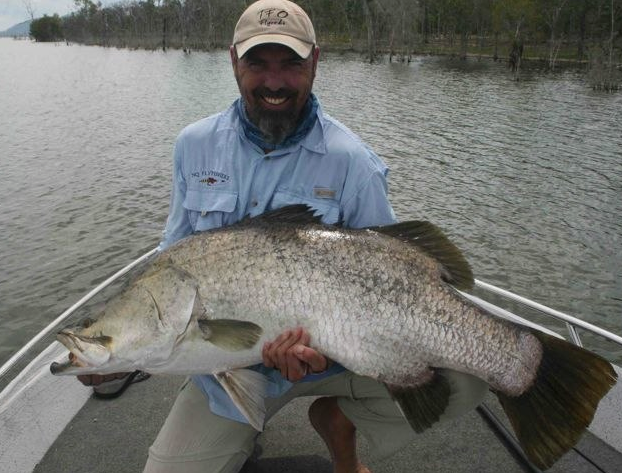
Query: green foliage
x,y
48,28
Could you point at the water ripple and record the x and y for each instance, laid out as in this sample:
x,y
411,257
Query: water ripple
x,y
526,177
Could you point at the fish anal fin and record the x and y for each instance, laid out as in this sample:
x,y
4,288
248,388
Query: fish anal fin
x,y
422,405
230,334
550,416
430,239
247,389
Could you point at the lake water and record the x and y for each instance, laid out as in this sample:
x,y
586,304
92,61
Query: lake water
x,y
526,177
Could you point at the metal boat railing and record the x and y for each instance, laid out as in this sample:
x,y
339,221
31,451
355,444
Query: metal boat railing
x,y
572,323
17,356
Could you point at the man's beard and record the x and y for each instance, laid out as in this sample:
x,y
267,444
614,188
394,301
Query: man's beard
x,y
275,126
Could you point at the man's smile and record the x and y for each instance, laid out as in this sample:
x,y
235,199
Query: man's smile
x,y
274,100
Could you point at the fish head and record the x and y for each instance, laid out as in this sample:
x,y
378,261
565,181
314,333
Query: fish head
x,y
87,349
137,329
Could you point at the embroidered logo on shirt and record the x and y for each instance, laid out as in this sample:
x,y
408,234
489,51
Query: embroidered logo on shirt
x,y
212,178
323,193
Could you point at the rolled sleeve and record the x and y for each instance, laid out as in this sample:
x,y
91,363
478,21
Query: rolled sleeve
x,y
370,205
178,223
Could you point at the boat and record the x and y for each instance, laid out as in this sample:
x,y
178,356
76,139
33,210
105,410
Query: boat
x,y
54,425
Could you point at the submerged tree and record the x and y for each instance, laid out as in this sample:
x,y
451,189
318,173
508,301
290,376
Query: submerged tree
x,y
514,29
552,10
603,73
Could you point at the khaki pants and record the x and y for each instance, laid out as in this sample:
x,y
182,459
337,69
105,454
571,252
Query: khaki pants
x,y
195,440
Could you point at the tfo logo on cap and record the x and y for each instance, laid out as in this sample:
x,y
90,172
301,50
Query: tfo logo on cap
x,y
272,16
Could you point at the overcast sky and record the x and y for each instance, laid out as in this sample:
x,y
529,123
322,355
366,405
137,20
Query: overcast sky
x,y
13,12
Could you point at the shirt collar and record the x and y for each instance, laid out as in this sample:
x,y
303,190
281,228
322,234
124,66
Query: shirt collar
x,y
308,133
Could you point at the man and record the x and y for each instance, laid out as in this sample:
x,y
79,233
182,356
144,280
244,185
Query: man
x,y
273,147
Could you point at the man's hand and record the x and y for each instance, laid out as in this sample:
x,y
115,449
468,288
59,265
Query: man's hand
x,y
291,355
96,379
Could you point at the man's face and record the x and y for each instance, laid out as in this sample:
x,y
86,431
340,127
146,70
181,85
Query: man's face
x,y
275,83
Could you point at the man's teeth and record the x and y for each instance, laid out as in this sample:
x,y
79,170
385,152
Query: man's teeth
x,y
275,100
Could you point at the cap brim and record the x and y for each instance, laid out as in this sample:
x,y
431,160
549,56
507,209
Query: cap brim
x,y
299,47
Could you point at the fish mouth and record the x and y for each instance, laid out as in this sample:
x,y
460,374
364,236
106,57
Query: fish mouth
x,y
87,351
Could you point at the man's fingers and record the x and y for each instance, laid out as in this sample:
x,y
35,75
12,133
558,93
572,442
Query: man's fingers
x,y
283,358
296,369
316,361
85,379
274,353
305,338
291,355
97,379
265,354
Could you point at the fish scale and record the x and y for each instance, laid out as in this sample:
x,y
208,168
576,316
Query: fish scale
x,y
327,282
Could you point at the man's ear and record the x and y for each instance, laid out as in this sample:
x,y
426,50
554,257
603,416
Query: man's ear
x,y
316,56
234,57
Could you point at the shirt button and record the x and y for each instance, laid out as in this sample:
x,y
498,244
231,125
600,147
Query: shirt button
x,y
254,203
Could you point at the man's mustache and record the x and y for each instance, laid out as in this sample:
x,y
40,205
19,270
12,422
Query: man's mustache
x,y
278,94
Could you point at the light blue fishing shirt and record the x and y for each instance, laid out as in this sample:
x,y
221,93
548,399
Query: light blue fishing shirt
x,y
219,177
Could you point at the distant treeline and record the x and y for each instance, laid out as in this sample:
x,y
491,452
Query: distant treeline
x,y
552,30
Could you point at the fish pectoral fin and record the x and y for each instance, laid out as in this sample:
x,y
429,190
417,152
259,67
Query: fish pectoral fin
x,y
247,389
230,334
422,405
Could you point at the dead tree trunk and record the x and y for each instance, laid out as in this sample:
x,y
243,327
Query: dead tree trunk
x,y
371,41
516,54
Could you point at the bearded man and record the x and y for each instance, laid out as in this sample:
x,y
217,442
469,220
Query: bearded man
x,y
275,146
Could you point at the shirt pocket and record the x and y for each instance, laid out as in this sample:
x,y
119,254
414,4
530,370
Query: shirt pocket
x,y
208,209
327,208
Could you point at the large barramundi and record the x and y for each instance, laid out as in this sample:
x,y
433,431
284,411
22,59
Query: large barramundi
x,y
383,302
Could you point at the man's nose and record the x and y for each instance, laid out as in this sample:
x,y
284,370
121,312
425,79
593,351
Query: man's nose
x,y
274,80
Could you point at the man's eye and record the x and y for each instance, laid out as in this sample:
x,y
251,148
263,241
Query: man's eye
x,y
254,65
295,64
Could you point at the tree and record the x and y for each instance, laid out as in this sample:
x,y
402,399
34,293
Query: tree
x,y
29,8
551,11
513,17
48,28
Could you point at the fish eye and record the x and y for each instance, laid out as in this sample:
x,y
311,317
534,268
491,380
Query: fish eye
x,y
86,322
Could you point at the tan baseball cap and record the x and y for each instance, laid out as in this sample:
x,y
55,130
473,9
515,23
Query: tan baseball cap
x,y
274,21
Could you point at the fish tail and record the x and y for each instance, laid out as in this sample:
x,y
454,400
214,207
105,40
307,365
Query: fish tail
x,y
551,415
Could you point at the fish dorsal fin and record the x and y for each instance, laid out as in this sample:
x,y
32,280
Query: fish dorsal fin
x,y
301,214
431,239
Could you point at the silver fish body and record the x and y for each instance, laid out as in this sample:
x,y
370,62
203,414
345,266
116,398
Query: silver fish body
x,y
382,302
375,304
